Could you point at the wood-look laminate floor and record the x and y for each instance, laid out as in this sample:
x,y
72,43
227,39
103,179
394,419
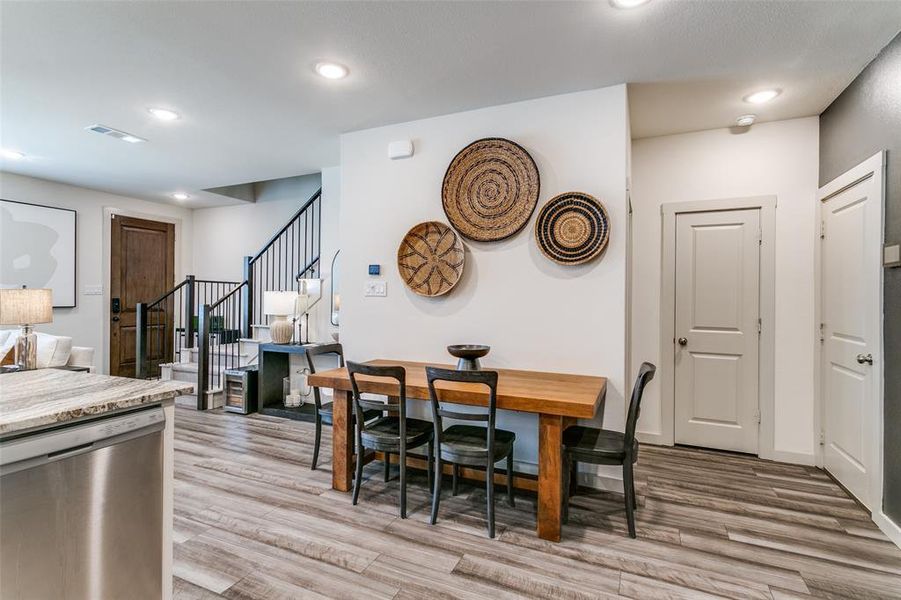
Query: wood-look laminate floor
x,y
253,521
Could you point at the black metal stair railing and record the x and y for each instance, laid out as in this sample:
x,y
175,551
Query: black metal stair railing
x,y
166,327
291,254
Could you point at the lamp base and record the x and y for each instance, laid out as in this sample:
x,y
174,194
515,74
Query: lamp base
x,y
27,349
281,332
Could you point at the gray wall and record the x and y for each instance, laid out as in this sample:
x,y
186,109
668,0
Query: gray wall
x,y
864,119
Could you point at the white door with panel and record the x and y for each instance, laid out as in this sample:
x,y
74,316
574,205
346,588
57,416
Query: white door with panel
x,y
717,329
851,317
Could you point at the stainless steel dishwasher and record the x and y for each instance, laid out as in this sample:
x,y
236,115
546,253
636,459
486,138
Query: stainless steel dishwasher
x,y
81,510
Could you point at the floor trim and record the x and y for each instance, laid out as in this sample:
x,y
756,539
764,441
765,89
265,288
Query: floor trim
x,y
888,527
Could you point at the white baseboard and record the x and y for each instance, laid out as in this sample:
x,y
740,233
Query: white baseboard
x,y
795,458
601,482
655,439
590,479
888,527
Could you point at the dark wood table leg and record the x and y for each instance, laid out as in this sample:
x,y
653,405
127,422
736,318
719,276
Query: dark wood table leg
x,y
550,475
342,442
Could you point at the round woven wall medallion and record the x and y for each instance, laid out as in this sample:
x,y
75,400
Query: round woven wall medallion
x,y
490,189
572,228
430,259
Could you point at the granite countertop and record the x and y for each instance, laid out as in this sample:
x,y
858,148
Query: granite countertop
x,y
32,399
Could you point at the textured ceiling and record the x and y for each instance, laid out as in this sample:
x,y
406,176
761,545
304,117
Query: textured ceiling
x,y
240,74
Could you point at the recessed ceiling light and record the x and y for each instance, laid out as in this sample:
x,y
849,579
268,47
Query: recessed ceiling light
x,y
762,96
331,70
627,3
180,196
132,139
163,114
11,154
745,120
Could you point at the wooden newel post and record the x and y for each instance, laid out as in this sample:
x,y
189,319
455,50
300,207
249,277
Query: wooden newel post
x,y
141,341
203,356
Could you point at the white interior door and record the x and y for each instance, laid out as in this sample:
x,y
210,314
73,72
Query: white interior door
x,y
851,319
717,329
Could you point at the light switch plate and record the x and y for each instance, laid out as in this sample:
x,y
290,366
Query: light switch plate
x,y
891,255
377,288
93,290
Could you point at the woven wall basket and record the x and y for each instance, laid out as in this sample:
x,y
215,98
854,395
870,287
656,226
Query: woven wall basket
x,y
490,189
430,259
572,228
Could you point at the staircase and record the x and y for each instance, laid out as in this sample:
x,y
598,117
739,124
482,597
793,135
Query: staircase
x,y
200,327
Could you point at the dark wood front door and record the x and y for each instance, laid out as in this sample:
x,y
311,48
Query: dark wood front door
x,y
142,268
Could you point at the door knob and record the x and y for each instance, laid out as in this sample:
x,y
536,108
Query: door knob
x,y
115,318
683,341
865,359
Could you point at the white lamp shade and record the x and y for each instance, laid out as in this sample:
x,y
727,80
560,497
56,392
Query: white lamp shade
x,y
26,306
280,304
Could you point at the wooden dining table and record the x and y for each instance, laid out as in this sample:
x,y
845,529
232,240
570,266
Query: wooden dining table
x,y
558,399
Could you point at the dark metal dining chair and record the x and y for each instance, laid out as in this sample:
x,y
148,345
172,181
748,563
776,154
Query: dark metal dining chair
x,y
323,410
471,445
606,447
392,433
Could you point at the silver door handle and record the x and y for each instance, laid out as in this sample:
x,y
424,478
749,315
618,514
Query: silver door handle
x,y
683,341
865,359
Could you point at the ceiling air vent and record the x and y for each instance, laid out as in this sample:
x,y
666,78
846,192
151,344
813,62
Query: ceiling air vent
x,y
119,135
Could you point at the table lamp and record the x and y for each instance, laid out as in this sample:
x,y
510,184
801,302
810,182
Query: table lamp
x,y
26,307
279,306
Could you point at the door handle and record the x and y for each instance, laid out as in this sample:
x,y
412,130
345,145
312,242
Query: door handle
x,y
115,318
865,359
683,341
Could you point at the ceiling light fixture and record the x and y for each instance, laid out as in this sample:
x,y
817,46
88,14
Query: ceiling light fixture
x,y
762,96
132,139
627,3
163,114
331,70
745,120
180,196
12,154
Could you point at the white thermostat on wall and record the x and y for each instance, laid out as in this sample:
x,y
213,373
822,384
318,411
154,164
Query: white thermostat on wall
x,y
400,149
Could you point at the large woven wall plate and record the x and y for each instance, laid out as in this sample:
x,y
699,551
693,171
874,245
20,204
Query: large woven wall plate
x,y
430,259
572,228
490,189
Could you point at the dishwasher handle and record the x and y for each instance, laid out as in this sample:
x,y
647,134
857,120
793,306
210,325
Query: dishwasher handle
x,y
71,451
43,447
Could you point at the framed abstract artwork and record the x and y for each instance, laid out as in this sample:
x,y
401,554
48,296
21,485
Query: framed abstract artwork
x,y
37,249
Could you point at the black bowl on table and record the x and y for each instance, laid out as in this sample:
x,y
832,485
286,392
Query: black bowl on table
x,y
468,355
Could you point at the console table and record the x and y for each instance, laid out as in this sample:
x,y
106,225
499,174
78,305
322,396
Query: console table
x,y
275,365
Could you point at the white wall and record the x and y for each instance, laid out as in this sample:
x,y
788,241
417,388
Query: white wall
x,y
224,235
779,158
88,322
534,314
320,324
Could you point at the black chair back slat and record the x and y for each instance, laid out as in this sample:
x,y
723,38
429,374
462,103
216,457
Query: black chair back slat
x,y
461,416
388,407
